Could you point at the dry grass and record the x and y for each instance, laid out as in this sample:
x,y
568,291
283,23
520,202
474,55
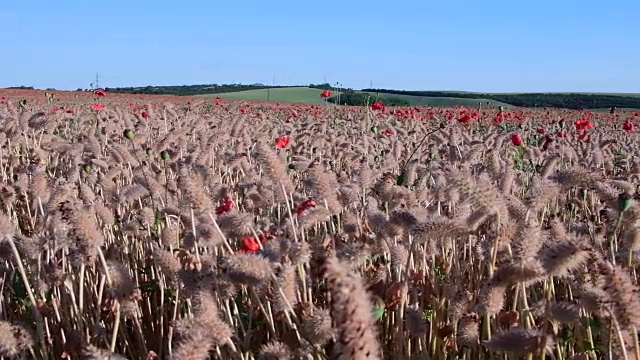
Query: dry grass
x,y
136,236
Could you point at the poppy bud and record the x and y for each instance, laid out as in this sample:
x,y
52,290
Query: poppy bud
x,y
400,178
374,129
624,202
583,194
129,134
378,309
87,169
516,139
164,155
149,151
443,125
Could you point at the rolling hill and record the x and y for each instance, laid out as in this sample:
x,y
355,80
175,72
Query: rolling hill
x,y
290,94
445,101
312,96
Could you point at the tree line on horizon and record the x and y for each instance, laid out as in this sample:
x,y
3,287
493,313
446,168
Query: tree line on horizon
x,y
556,100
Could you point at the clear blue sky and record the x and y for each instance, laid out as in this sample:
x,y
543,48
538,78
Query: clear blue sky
x,y
543,45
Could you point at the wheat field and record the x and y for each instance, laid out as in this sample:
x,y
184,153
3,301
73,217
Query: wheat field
x,y
183,228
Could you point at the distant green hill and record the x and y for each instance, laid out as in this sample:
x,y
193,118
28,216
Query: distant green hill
x,y
445,101
311,95
300,94
559,100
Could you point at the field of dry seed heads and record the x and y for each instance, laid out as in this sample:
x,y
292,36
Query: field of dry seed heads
x,y
193,229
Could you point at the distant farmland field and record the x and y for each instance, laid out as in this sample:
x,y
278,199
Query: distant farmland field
x,y
312,96
444,101
291,95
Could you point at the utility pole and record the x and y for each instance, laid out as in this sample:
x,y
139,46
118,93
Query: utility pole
x,y
97,81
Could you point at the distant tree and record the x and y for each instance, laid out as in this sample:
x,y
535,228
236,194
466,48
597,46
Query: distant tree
x,y
190,89
325,86
362,99
21,87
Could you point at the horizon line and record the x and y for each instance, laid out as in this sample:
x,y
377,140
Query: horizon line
x,y
26,87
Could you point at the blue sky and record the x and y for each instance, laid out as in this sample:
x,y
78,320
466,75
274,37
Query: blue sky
x,y
543,45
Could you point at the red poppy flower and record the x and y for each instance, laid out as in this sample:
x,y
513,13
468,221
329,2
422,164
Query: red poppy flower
x,y
325,94
464,118
100,92
97,107
305,205
282,141
562,134
144,114
541,130
226,205
378,105
582,125
387,132
252,245
627,126
516,139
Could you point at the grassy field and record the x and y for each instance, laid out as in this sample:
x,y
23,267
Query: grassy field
x,y
291,95
444,101
312,96
167,231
